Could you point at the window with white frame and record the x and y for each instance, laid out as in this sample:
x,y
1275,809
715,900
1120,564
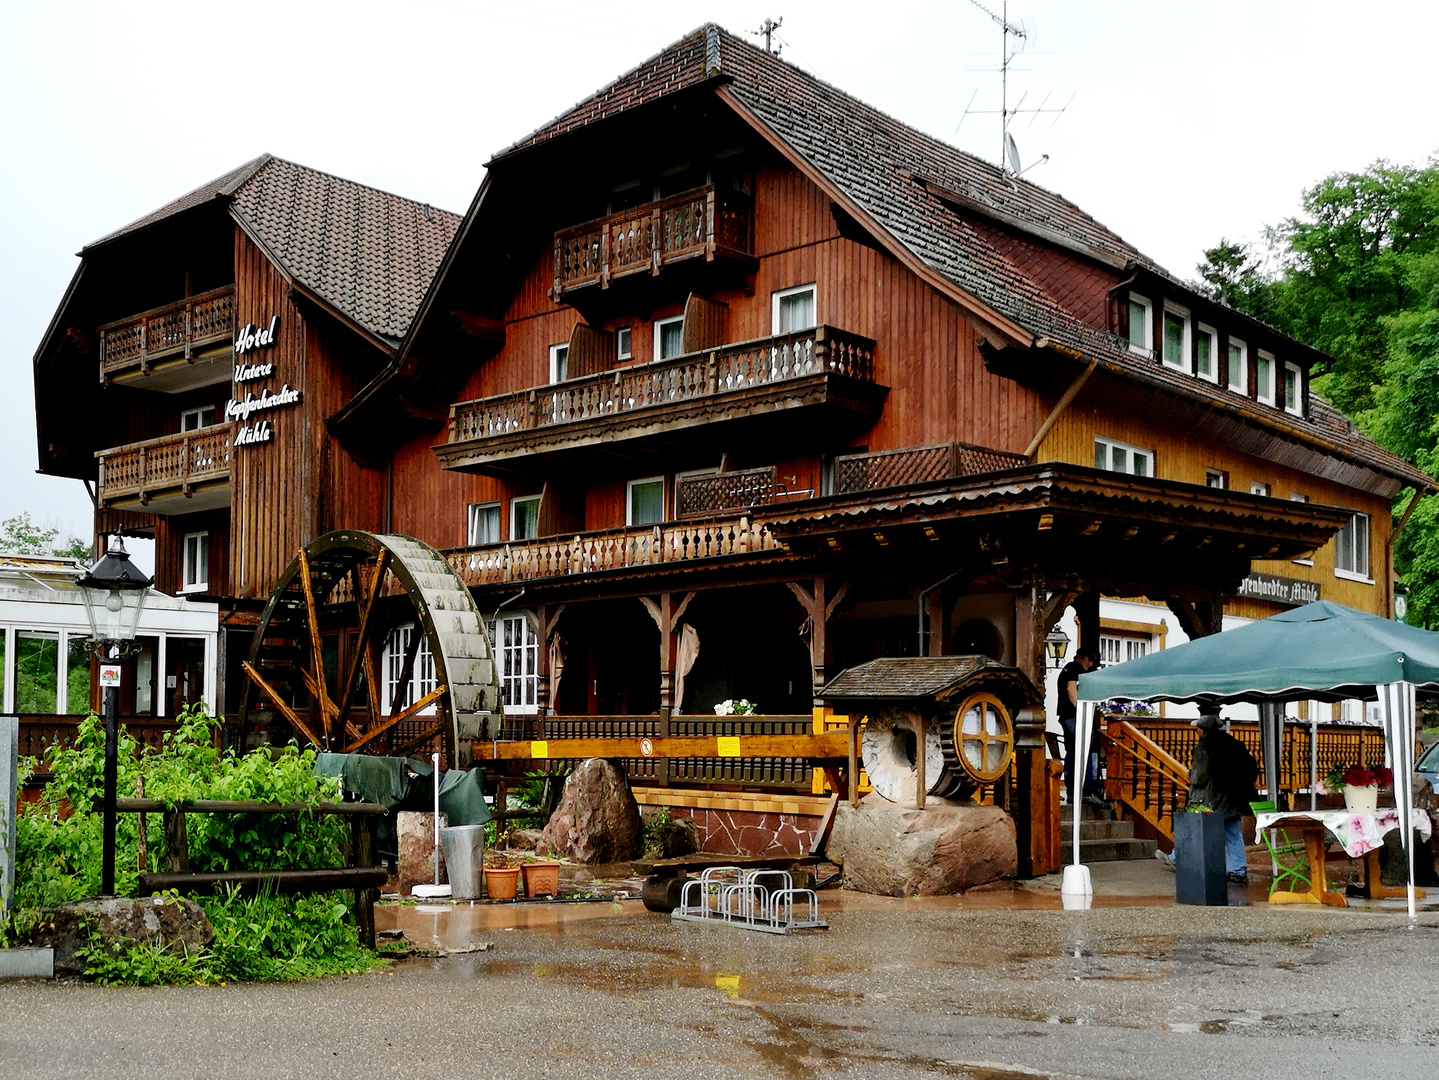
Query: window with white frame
x,y
525,517
1206,353
195,562
195,419
482,525
645,501
624,343
1141,323
1264,378
559,362
1114,649
669,337
1176,338
1238,366
1258,487
792,309
1351,549
517,654
1216,478
1113,456
1294,496
392,665
1293,389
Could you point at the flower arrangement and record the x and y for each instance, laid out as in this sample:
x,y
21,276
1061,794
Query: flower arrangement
x,y
1342,776
736,707
1128,708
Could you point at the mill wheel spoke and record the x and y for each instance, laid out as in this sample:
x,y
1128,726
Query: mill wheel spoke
x,y
317,655
365,598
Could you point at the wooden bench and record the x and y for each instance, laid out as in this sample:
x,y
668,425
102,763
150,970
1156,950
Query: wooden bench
x,y
359,874
665,880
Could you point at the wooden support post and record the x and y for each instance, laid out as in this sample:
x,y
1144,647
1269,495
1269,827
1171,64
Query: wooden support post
x,y
1033,821
177,847
921,782
362,853
934,617
852,775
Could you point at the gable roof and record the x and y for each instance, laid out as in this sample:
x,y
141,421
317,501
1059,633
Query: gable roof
x,y
365,253
935,203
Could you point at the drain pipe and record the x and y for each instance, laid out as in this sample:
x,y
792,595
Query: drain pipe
x,y
924,595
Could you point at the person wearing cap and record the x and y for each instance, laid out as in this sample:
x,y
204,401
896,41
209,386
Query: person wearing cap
x,y
1085,660
1221,777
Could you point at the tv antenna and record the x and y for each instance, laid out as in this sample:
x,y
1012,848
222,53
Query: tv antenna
x,y
1008,150
767,30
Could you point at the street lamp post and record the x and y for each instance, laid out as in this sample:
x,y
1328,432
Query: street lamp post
x,y
114,594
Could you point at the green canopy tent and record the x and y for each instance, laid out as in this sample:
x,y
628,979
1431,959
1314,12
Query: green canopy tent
x,y
1321,651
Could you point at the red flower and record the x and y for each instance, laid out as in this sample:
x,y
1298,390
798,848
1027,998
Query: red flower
x,y
1358,776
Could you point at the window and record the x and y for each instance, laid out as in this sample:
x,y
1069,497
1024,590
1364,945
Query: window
x,y
1114,456
1264,378
517,653
195,419
1206,353
624,343
669,337
645,503
1141,326
1116,650
1293,389
483,524
1351,549
1294,496
422,677
1238,366
195,563
1258,487
792,309
1216,478
77,674
525,518
37,671
559,362
1176,338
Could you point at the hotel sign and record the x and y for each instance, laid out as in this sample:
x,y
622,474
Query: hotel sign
x,y
1290,592
248,374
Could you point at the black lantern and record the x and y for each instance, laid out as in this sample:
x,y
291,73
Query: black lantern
x,y
114,594
1056,644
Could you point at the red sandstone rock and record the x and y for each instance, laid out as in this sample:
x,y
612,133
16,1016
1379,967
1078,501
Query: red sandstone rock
x,y
598,820
416,835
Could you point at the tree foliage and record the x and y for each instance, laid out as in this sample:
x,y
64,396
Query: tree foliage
x,y
21,536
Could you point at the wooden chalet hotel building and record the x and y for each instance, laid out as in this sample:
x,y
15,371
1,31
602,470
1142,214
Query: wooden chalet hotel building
x,y
726,382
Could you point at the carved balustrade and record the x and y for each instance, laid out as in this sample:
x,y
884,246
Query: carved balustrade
x,y
180,328
171,463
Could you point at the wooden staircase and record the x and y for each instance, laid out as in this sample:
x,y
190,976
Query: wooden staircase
x,y
1145,783
1101,839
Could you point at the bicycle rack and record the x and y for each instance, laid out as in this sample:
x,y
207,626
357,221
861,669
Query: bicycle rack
x,y
743,898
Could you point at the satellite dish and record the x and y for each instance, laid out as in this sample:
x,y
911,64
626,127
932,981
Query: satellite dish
x,y
1013,152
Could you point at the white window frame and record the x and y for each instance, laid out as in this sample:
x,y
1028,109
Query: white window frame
x,y
777,299
1295,407
659,326
1110,445
1239,385
624,342
472,514
1210,475
559,362
1205,330
1147,345
1116,648
397,642
1258,487
630,486
1186,348
688,475
1294,496
199,414
201,583
1265,394
514,517
1343,572
517,647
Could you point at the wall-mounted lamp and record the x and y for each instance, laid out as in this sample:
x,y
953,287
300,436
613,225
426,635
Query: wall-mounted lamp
x,y
1056,644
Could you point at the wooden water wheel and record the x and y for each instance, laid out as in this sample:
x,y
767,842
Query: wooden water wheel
x,y
316,656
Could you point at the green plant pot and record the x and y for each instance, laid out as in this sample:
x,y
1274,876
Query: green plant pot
x,y
1199,867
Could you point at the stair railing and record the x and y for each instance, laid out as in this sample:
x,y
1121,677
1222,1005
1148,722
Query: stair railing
x,y
1145,782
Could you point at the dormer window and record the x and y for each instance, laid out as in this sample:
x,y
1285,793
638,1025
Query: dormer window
x,y
1176,338
1206,353
1238,366
1293,389
1141,324
1264,378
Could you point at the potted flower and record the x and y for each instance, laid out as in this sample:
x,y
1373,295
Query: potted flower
x,y
1360,785
1199,867
501,880
542,878
736,707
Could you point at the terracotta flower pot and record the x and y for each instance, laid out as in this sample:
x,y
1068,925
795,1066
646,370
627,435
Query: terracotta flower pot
x,y
542,879
1361,798
501,883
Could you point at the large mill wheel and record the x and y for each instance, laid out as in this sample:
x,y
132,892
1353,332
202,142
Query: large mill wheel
x,y
316,654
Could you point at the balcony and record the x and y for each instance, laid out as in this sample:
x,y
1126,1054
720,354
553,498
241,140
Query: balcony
x,y
173,348
809,387
704,225
174,474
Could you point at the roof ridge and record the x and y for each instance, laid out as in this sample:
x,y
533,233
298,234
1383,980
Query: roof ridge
x,y
272,159
222,186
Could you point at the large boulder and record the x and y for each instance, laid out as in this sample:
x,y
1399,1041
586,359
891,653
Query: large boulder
x,y
167,921
896,850
598,820
415,839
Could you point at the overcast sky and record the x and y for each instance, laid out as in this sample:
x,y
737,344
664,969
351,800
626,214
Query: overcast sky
x,y
1189,121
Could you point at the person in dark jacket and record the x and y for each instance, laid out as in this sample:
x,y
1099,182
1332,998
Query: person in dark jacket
x,y
1087,660
1221,777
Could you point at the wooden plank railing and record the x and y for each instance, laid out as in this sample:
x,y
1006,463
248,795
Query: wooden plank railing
x,y
1142,777
691,377
700,222
169,463
917,464
181,327
610,549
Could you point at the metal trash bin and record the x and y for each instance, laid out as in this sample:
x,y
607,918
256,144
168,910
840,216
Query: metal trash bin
x,y
464,847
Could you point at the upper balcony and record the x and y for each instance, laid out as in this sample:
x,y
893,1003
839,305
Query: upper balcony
x,y
174,474
702,225
805,387
173,348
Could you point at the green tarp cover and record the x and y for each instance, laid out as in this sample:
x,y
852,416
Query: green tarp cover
x,y
391,780
1321,651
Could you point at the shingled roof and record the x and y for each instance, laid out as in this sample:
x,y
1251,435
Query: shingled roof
x,y
366,253
940,204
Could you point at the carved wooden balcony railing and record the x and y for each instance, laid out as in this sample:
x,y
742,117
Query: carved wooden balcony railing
x,y
172,465
916,464
610,549
700,223
726,373
173,330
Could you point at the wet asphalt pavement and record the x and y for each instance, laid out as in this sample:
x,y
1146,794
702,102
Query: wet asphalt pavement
x,y
896,988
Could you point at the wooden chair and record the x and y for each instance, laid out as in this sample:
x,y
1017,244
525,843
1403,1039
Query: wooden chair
x,y
1290,859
